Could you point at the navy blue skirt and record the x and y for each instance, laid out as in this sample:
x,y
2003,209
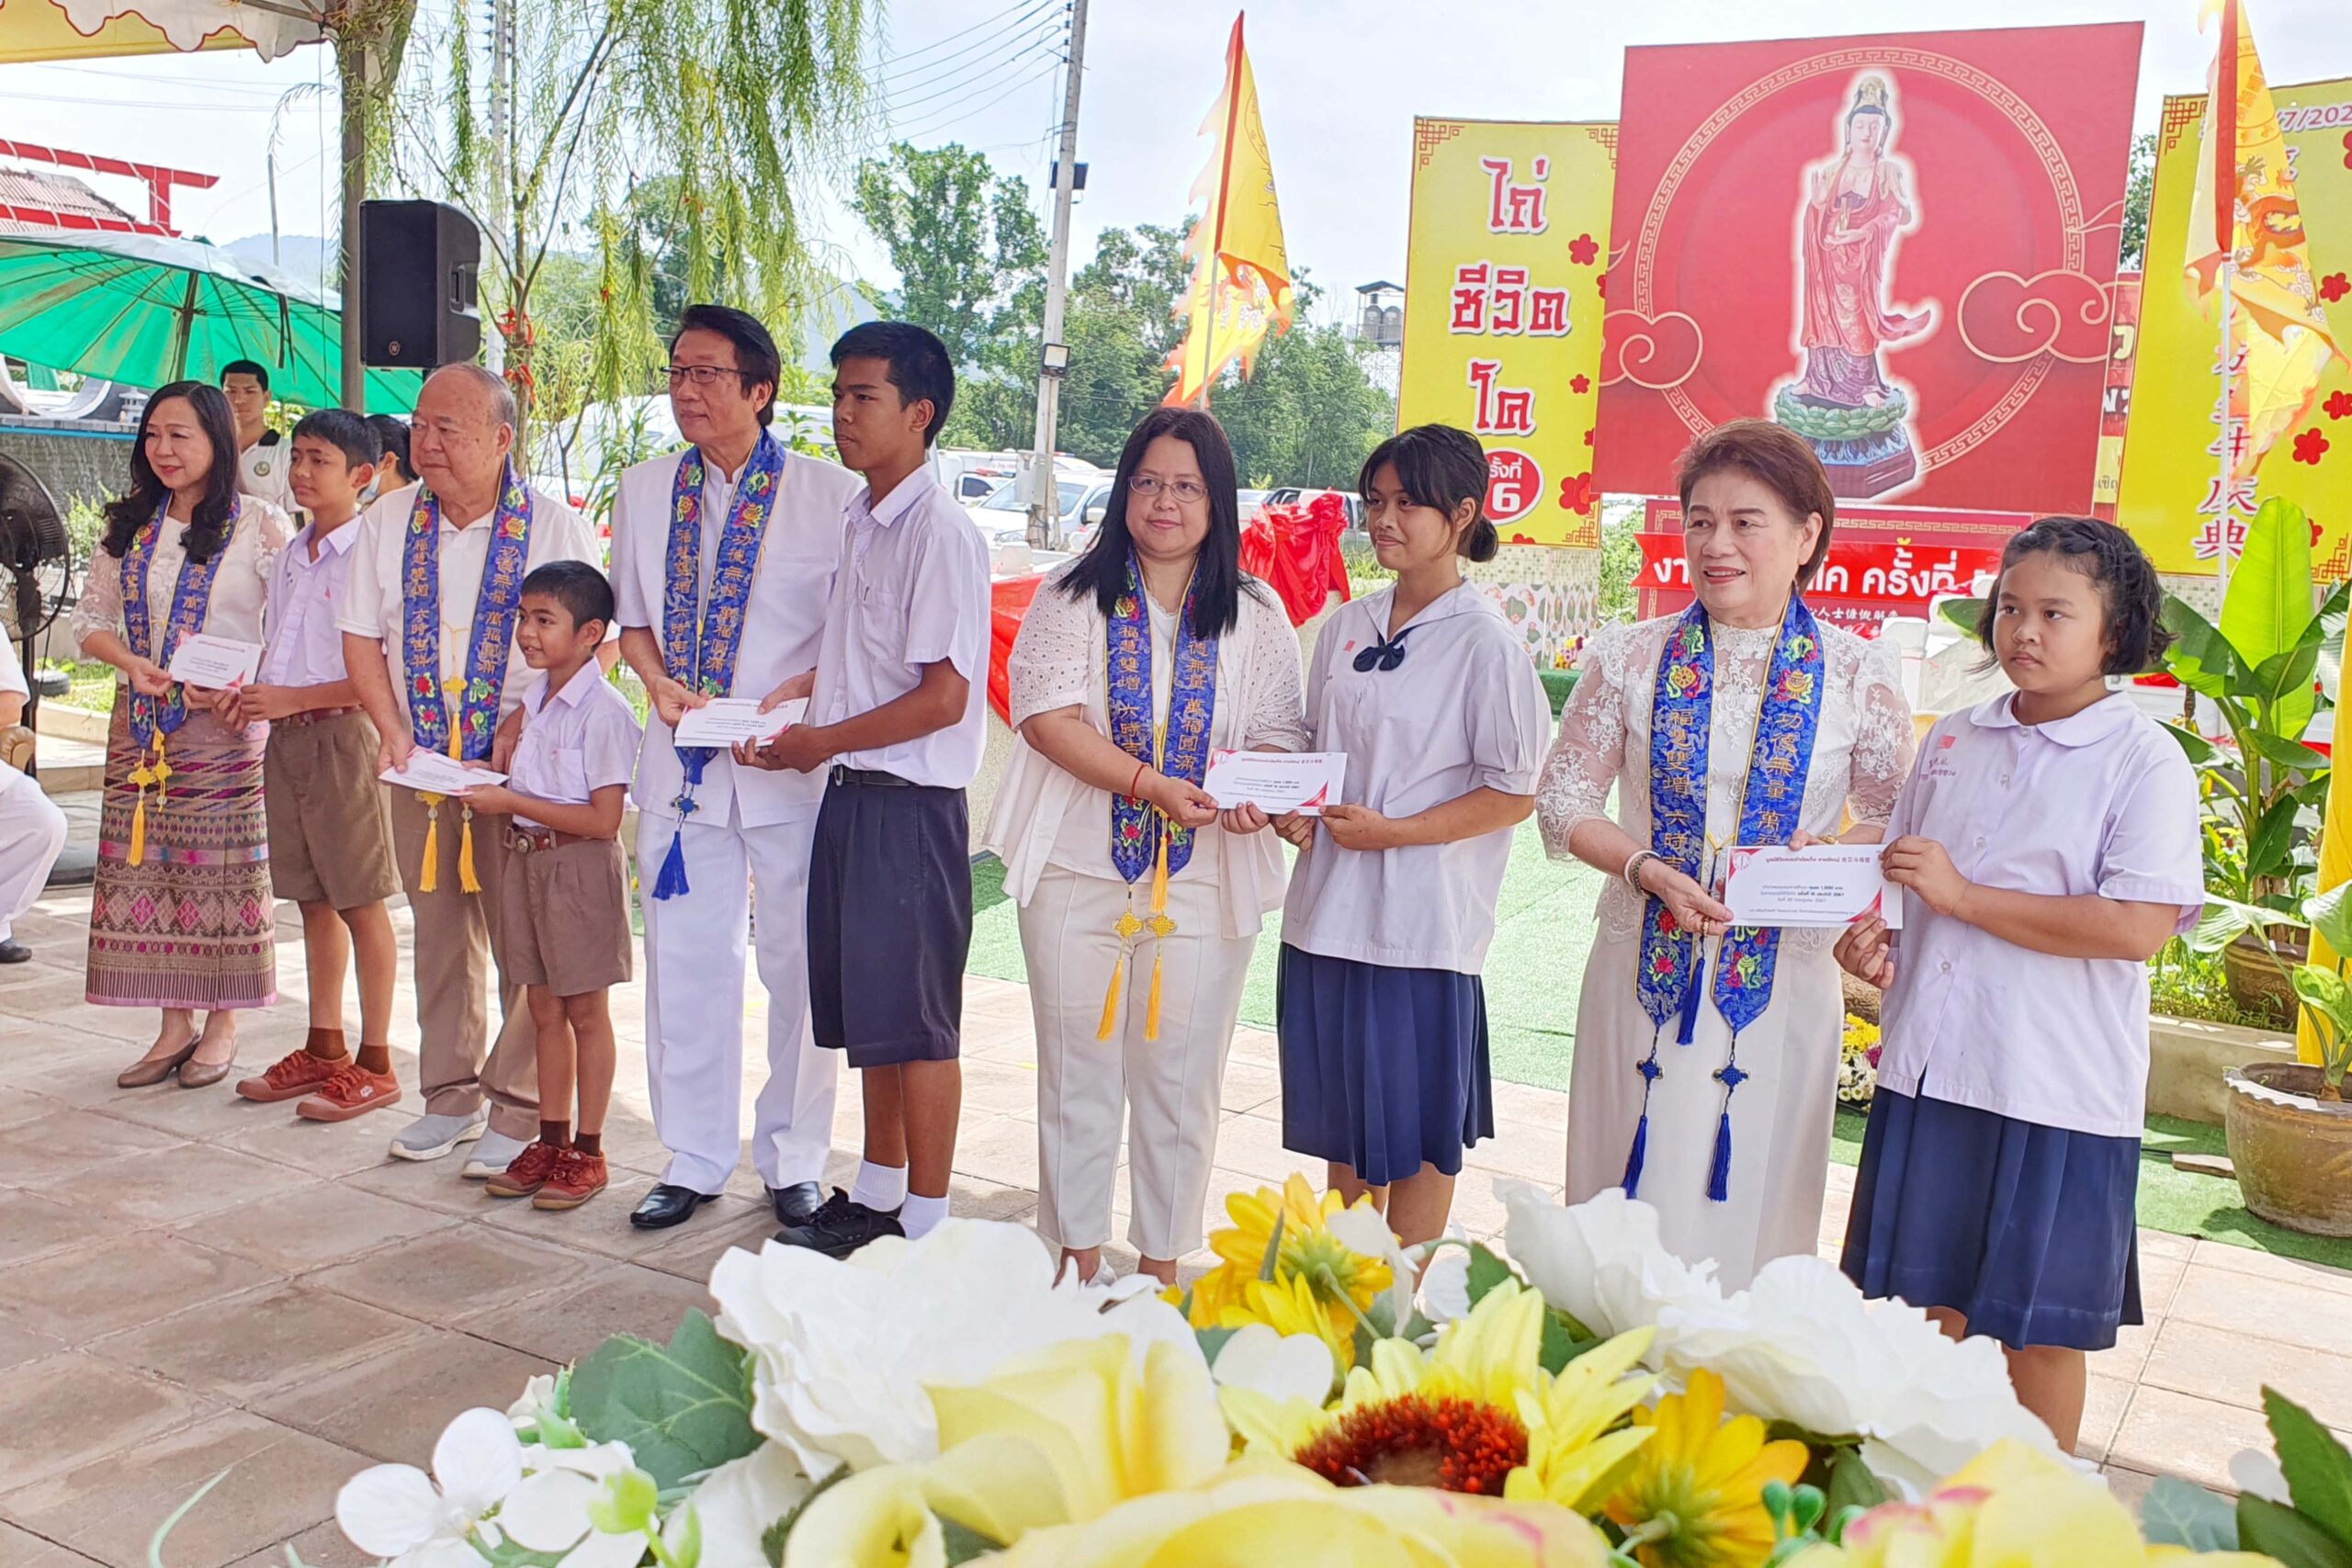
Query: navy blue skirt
x,y
2029,1231
1383,1070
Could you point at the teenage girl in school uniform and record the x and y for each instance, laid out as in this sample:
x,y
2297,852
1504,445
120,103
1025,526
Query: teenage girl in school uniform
x,y
2047,846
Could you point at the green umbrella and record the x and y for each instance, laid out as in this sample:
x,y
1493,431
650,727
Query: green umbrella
x,y
143,310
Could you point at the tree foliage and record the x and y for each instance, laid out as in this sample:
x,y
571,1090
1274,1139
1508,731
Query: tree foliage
x,y
2139,195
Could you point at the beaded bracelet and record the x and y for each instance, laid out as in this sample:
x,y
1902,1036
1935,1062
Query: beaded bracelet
x,y
1632,872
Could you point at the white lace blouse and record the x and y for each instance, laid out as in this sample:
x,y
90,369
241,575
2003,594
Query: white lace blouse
x,y
1861,752
1057,662
240,586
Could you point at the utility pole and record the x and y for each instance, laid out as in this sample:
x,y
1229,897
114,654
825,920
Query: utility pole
x,y
501,66
356,61
1045,510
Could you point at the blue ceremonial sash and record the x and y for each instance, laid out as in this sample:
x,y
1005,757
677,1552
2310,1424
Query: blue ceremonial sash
x,y
700,643
466,737
153,718
1671,969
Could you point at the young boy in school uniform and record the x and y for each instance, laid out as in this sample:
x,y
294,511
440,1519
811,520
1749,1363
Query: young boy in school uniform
x,y
564,930
896,717
330,833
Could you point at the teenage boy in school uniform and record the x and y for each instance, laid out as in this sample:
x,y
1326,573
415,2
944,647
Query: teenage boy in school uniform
x,y
329,832
896,718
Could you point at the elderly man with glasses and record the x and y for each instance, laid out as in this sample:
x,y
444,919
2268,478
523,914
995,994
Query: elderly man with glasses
x,y
723,555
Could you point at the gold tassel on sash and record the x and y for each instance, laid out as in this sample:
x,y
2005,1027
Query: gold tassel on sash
x,y
1161,928
1127,928
156,773
428,875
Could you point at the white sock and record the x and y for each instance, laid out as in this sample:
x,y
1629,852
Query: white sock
x,y
922,1215
879,1186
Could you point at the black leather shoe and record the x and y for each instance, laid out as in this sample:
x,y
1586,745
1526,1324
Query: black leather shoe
x,y
841,1227
667,1205
18,952
797,1205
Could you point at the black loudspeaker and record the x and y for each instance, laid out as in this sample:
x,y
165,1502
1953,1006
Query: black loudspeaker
x,y
419,300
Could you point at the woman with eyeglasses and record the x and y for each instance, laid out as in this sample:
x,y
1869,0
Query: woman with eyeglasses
x,y
1433,700
1138,910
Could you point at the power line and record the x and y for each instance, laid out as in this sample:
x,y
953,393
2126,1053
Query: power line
x,y
992,68
963,106
934,70
937,44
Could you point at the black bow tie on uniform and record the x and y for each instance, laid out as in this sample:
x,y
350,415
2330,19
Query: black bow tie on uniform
x,y
1384,655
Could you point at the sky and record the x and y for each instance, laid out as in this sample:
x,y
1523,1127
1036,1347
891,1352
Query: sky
x,y
1340,85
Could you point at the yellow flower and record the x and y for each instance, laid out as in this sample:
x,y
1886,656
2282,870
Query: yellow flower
x,y
1694,1498
2013,1508
876,1518
1253,1515
1476,1412
1289,1306
1291,1226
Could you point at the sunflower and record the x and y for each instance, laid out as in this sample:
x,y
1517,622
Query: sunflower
x,y
1290,1229
1694,1498
1475,1413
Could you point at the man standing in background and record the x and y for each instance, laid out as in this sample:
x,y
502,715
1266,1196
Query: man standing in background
x,y
263,455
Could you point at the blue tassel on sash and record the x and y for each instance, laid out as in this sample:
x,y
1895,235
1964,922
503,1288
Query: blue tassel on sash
x,y
1687,1021
672,881
1719,1174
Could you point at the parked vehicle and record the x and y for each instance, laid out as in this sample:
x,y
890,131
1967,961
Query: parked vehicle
x,y
1293,495
1003,516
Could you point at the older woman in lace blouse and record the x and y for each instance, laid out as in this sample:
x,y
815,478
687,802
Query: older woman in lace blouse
x,y
1706,1056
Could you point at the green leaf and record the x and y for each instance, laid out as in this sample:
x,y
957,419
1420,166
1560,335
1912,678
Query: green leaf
x,y
1561,1343
1967,615
2266,851
2268,603
2287,1536
965,1543
2199,657
2330,914
1212,1340
1486,1271
772,1538
2200,750
1274,1249
2318,1470
2177,1513
2224,920
1852,1484
681,1408
2326,993
2288,753
2288,680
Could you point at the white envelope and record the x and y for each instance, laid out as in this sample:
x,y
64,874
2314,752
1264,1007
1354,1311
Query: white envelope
x,y
214,661
1821,885
727,721
436,774
1276,781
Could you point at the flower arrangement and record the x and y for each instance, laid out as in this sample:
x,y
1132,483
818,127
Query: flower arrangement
x,y
1588,1401
1858,1053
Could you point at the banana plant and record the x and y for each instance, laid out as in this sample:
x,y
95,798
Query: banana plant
x,y
2325,995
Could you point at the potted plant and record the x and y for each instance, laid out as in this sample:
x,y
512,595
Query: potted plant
x,y
2289,1126
2261,667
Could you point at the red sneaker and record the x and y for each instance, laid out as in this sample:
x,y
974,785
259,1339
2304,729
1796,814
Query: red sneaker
x,y
353,1091
293,1076
527,1172
577,1178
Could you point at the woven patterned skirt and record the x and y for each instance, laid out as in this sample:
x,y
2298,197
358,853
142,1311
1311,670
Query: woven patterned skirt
x,y
191,925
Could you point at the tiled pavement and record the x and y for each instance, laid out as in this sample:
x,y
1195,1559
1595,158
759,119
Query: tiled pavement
x,y
190,1283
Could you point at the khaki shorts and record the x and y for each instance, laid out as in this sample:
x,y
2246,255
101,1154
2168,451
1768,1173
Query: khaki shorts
x,y
329,829
564,918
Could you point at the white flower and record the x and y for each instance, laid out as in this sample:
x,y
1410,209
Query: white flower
x,y
551,1511
1282,1367
842,1349
1364,1230
1601,1261
537,1404
738,1503
396,1511
1445,1285
2257,1474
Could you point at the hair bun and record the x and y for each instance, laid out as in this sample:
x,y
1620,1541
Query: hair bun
x,y
1481,542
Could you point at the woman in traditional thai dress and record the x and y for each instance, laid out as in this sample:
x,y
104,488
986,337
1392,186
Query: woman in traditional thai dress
x,y
180,915
1705,1076
1138,911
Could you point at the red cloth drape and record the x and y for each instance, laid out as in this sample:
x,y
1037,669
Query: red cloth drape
x,y
1008,602
1297,550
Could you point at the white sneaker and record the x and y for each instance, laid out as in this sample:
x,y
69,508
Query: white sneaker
x,y
434,1135
491,1155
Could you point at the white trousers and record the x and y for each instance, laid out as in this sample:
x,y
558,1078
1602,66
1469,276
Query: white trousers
x,y
32,831
1170,1088
693,1004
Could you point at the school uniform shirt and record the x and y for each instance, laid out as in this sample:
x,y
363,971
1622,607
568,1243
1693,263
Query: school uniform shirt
x,y
371,604
783,619
574,742
264,471
240,584
2102,802
1463,711
911,589
305,646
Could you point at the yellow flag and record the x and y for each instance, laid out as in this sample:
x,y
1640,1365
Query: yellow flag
x,y
2244,210
1240,288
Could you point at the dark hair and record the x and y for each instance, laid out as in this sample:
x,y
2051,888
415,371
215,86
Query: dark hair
x,y
1216,574
1439,467
756,358
208,529
2135,632
583,591
1776,458
392,435
345,431
918,366
252,368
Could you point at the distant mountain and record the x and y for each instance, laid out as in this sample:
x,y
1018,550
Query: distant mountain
x,y
306,257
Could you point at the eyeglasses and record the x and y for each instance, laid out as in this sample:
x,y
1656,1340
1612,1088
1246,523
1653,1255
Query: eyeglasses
x,y
1186,490
1384,655
704,375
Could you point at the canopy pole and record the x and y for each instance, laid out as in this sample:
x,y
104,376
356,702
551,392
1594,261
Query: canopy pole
x,y
351,58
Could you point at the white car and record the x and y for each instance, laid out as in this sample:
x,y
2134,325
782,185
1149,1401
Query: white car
x,y
1003,517
1292,495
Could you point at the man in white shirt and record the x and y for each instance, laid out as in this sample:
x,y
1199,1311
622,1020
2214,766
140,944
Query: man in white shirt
x,y
32,829
896,724
754,558
483,531
264,461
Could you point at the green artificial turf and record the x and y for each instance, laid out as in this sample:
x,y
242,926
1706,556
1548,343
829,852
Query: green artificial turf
x,y
1534,970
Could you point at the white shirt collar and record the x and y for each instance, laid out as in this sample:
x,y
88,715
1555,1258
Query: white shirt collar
x,y
574,691
2093,724
901,499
